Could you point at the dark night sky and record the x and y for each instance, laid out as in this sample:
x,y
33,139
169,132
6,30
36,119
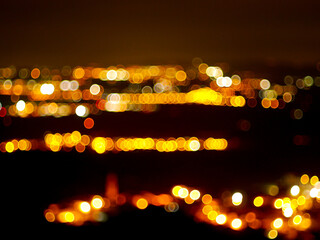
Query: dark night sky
x,y
158,32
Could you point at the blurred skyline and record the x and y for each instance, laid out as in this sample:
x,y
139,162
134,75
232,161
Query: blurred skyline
x,y
159,32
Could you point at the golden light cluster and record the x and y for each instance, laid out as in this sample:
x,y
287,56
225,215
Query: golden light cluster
x,y
41,91
290,214
67,141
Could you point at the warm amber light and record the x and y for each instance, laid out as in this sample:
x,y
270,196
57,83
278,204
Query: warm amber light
x,y
304,179
142,203
272,234
207,199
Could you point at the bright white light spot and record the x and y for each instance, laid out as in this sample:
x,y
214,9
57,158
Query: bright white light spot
x,y
65,85
265,84
47,88
112,75
20,105
74,85
295,190
94,89
314,192
224,81
287,212
81,111
237,198
194,145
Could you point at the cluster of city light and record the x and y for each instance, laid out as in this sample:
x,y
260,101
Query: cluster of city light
x,y
291,213
88,90
67,141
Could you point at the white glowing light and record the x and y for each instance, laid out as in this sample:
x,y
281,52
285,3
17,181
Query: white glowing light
x,y
47,88
81,111
20,105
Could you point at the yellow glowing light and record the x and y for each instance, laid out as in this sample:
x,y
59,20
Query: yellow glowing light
x,y
314,180
272,234
278,203
297,219
66,216
97,202
175,191
277,223
221,219
212,215
258,201
301,200
194,195
237,198
304,179
99,145
183,192
295,190
9,147
84,207
142,203
236,223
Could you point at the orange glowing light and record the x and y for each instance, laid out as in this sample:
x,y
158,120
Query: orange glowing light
x,y
50,217
88,123
181,75
304,179
35,73
206,199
